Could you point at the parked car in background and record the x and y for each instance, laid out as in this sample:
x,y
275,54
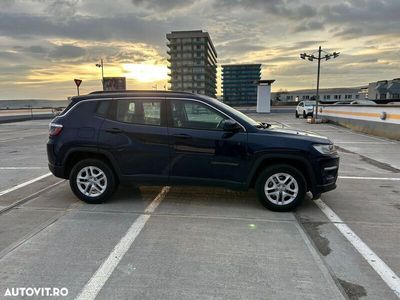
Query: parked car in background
x,y
305,109
175,138
362,102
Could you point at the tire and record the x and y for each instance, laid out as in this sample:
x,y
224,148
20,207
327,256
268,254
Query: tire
x,y
304,115
271,179
98,190
297,114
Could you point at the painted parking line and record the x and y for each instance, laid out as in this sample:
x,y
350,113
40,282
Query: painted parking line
x,y
100,277
24,184
380,267
367,143
22,168
370,178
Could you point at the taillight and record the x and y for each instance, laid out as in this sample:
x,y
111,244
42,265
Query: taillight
x,y
55,129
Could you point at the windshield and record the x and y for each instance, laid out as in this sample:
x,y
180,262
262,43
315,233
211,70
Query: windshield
x,y
309,103
233,111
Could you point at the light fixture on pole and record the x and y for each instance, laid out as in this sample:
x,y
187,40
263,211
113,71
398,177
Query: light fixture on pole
x,y
311,57
101,65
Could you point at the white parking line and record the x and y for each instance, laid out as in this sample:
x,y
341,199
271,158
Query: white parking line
x,y
380,267
22,168
370,178
95,284
368,143
24,184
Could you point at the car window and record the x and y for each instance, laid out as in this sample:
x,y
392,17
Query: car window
x,y
301,104
195,115
103,108
146,112
309,103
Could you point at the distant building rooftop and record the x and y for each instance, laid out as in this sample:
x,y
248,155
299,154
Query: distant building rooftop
x,y
327,90
241,65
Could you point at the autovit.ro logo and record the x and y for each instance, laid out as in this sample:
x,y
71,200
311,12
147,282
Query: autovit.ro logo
x,y
36,292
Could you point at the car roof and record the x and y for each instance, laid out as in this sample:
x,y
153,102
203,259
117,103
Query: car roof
x,y
133,93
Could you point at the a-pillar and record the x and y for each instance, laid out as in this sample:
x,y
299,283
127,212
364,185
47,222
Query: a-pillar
x,y
264,95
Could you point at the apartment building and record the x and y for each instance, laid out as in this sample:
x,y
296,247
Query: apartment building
x,y
192,62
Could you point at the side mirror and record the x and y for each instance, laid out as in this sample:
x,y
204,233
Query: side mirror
x,y
231,126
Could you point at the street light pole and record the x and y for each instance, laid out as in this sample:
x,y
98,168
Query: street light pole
x,y
311,57
102,72
318,73
101,65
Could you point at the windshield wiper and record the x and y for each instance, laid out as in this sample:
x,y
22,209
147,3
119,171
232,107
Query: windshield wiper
x,y
263,125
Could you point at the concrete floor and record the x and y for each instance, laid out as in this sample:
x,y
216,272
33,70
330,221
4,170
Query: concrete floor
x,y
200,243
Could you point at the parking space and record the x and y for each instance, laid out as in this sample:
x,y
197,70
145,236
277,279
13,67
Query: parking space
x,y
195,242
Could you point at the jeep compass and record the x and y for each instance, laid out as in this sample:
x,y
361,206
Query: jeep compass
x,y
175,138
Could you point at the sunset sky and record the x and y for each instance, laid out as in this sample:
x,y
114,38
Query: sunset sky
x,y
45,44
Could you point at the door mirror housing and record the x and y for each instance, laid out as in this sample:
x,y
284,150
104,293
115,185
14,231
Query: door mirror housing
x,y
231,126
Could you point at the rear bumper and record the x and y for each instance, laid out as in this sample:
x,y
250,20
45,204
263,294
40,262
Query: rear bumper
x,y
57,171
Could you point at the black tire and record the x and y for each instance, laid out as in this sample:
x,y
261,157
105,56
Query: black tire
x,y
304,115
109,183
297,114
267,174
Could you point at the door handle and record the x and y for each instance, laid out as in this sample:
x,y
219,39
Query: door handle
x,y
114,130
182,136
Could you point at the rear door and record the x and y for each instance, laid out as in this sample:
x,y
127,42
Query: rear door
x,y
135,133
200,150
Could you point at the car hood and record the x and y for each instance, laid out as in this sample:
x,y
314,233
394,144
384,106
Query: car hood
x,y
306,135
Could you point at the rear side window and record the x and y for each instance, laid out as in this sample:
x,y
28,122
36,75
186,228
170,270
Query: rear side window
x,y
145,112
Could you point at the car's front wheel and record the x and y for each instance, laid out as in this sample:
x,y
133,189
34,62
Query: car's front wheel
x,y
280,187
92,181
297,114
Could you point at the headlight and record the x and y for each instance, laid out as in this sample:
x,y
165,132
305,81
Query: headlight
x,y
325,149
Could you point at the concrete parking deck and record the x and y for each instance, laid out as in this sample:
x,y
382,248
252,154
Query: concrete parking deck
x,y
198,242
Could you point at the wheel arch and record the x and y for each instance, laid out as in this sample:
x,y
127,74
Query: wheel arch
x,y
298,162
76,155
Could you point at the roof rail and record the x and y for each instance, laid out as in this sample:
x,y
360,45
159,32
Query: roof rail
x,y
136,91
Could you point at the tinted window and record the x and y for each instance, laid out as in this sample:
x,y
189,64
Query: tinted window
x,y
103,108
147,112
195,115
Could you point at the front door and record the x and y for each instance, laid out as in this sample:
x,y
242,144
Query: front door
x,y
200,149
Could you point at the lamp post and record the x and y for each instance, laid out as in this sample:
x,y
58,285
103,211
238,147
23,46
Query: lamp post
x,y
320,57
101,65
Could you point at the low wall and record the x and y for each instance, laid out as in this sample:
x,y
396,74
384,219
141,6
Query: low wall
x,y
17,115
380,120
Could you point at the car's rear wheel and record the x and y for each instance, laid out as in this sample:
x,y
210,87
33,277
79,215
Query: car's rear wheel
x,y
280,187
92,181
297,114
304,115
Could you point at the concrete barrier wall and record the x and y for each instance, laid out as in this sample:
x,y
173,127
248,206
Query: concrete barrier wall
x,y
17,115
381,120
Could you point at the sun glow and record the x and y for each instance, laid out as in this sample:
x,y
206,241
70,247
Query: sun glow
x,y
145,72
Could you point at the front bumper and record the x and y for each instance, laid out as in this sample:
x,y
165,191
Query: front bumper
x,y
326,176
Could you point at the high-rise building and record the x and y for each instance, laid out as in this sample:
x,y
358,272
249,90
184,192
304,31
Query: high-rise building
x,y
238,83
193,62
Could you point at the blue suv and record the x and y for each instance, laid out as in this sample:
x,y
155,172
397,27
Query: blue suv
x,y
176,138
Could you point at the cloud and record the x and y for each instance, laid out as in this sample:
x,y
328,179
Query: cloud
x,y
166,5
62,8
309,26
42,40
37,49
66,52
